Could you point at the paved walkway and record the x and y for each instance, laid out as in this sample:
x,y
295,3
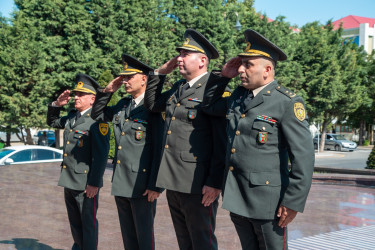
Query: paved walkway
x,y
33,215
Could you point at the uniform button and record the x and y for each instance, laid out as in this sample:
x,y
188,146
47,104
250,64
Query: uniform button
x,y
195,157
122,133
169,132
80,136
226,116
178,104
268,92
71,130
173,118
263,128
64,166
233,150
126,120
85,171
139,128
118,161
65,155
144,170
199,84
267,182
231,168
286,91
67,142
238,132
243,115
119,147
166,146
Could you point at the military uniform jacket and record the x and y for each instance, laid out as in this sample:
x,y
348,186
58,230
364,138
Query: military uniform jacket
x,y
193,151
137,145
262,136
85,148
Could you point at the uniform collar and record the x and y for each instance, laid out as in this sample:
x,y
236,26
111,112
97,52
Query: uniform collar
x,y
195,79
138,99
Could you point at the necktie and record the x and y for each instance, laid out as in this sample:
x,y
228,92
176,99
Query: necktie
x,y
248,98
78,115
184,88
132,106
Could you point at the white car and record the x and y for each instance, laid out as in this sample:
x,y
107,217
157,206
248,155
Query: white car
x,y
29,154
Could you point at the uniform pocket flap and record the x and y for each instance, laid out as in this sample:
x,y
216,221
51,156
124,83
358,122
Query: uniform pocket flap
x,y
81,169
265,178
188,157
264,126
138,126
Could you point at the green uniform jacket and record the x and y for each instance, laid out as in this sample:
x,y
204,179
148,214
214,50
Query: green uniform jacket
x,y
193,152
85,149
138,145
261,138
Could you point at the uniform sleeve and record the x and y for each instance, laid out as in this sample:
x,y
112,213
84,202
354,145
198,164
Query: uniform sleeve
x,y
295,129
154,100
99,152
53,117
100,111
217,165
213,103
156,135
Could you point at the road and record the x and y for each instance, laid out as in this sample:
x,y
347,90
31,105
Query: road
x,y
347,160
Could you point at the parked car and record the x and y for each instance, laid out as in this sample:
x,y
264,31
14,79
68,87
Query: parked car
x,y
50,135
29,154
336,142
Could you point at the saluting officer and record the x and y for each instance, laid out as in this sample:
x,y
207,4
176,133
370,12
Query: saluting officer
x,y
266,127
137,153
192,164
86,146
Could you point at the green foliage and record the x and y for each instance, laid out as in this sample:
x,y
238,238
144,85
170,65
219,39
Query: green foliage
x,y
371,160
48,42
366,143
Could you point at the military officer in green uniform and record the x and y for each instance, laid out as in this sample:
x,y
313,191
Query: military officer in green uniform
x,y
192,161
137,153
266,127
86,146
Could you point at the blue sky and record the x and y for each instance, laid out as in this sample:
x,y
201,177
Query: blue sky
x,y
297,12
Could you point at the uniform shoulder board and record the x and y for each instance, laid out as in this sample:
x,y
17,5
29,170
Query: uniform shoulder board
x,y
286,91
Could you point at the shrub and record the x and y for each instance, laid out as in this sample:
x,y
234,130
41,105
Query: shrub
x,y
371,160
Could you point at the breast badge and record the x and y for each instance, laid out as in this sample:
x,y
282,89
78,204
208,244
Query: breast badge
x,y
103,128
299,111
80,143
192,114
138,135
262,137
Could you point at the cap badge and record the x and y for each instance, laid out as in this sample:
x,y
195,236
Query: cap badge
x,y
125,65
80,85
248,46
186,41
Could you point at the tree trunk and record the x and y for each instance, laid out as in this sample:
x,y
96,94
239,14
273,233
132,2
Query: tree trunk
x,y
57,138
29,138
323,135
7,143
362,127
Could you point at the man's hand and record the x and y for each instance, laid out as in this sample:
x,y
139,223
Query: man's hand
x,y
63,99
114,85
91,191
230,69
151,195
209,195
286,216
168,67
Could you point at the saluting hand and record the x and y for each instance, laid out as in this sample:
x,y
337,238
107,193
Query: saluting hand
x,y
114,85
151,195
286,216
209,195
91,191
63,99
168,67
230,69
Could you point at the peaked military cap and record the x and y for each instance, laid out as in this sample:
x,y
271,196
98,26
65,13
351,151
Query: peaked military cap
x,y
132,66
258,45
86,84
195,41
